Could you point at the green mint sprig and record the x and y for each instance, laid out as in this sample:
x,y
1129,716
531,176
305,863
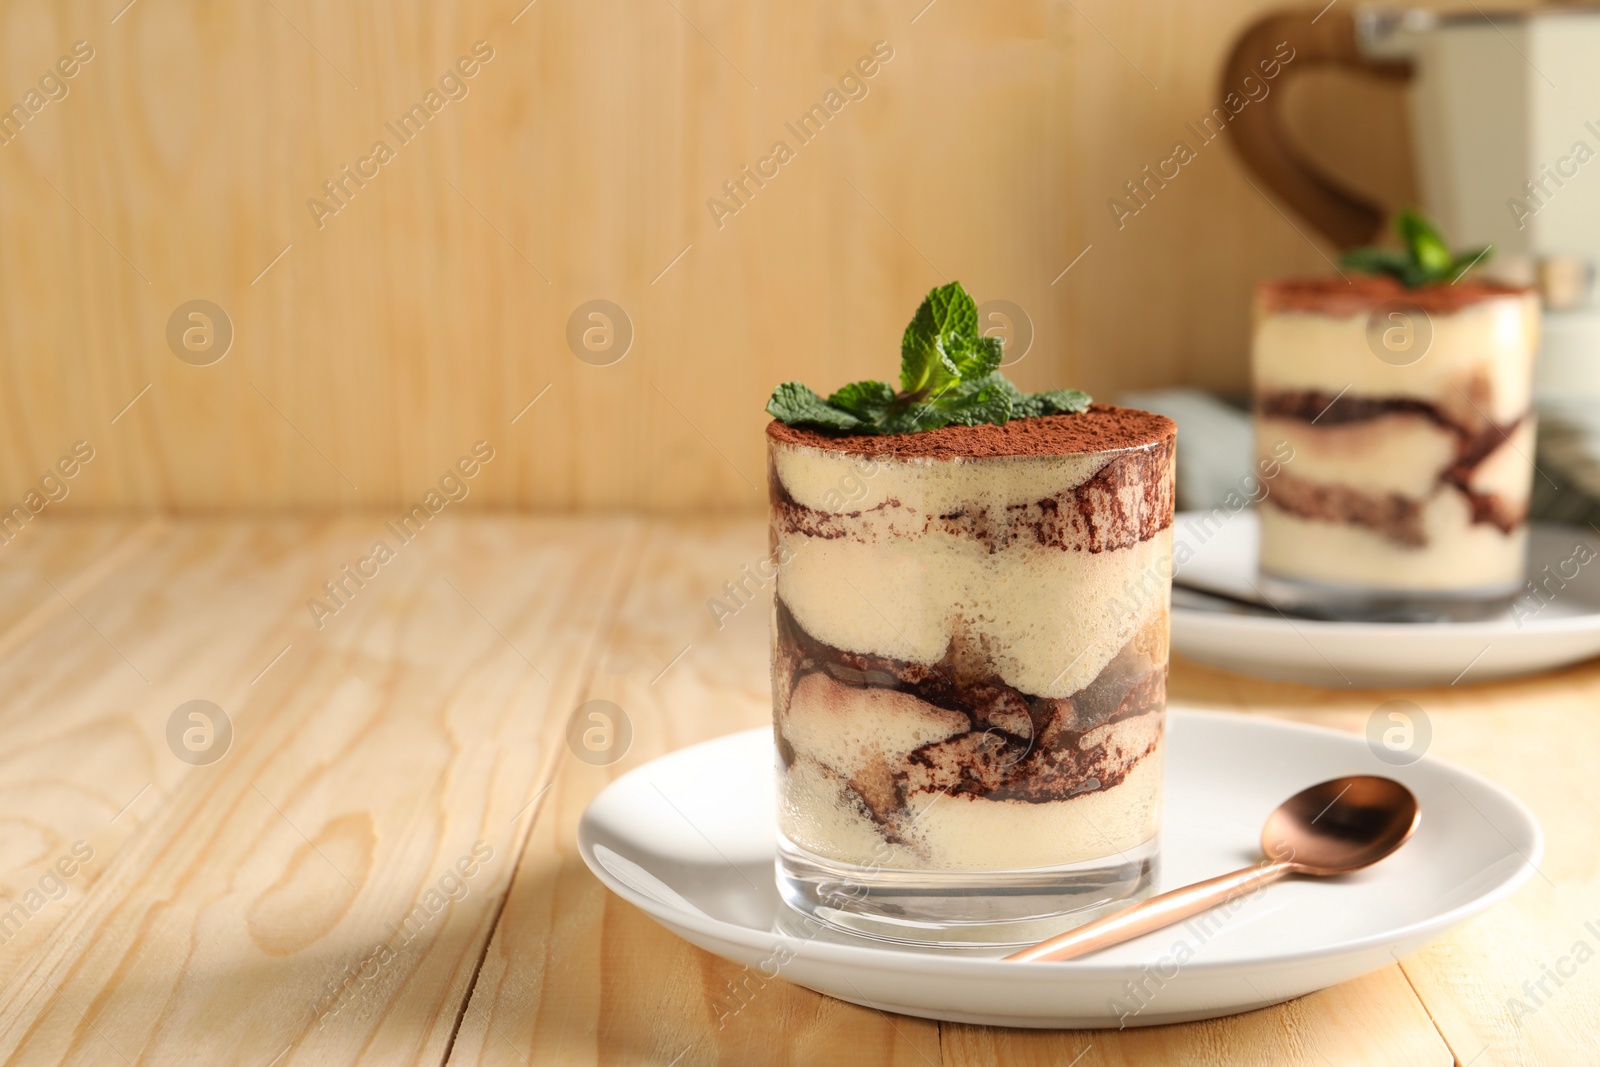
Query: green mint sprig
x,y
1425,260
949,376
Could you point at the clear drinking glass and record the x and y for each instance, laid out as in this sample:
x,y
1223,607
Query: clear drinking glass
x,y
1399,428
969,669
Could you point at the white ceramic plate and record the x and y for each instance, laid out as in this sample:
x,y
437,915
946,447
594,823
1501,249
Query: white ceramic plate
x,y
1534,635
689,839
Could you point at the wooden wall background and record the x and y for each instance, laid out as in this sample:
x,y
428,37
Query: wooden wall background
x,y
426,314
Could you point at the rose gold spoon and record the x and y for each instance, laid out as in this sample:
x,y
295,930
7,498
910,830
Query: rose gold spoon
x,y
1334,827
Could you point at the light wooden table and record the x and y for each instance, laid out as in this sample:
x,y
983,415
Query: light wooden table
x,y
291,901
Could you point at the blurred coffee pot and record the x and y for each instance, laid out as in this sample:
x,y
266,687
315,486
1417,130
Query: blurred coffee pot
x,y
1505,118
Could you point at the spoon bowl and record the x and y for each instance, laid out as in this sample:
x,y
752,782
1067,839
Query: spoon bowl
x,y
1340,825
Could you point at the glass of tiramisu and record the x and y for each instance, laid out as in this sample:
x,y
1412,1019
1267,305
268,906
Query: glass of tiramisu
x,y
969,656
1402,392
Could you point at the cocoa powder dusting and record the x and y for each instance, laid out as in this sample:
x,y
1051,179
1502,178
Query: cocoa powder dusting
x,y
1363,292
1103,428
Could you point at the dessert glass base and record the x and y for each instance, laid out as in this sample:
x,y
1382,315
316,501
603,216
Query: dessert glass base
x,y
962,909
1345,603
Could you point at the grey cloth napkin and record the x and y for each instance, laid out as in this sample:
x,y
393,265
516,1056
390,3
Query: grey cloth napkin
x,y
1215,453
1566,483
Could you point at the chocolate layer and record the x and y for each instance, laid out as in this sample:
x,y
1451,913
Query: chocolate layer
x,y
1342,409
1390,515
1016,746
1394,516
1127,501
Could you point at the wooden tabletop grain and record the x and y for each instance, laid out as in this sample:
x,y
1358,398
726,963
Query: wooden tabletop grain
x,y
362,850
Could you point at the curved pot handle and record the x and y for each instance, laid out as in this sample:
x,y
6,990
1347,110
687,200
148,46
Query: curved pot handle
x,y
1327,38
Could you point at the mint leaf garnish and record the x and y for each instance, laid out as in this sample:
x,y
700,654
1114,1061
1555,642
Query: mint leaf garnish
x,y
797,405
985,400
1425,259
1378,261
869,401
1055,402
949,375
1425,243
977,357
944,324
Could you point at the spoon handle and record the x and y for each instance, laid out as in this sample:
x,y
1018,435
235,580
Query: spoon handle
x,y
1154,913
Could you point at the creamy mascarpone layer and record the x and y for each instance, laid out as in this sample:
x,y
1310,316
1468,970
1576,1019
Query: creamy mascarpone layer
x,y
1400,453
1459,554
839,483
1483,352
1403,454
1050,620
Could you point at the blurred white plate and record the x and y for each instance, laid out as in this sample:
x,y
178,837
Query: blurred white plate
x,y
1564,630
689,838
